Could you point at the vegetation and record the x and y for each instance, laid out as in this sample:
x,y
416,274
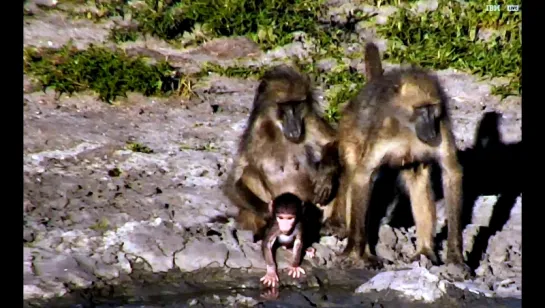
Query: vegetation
x,y
102,225
110,73
138,147
448,37
123,34
269,22
453,36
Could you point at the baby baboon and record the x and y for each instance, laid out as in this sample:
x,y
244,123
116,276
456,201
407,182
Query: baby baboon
x,y
286,229
399,118
287,147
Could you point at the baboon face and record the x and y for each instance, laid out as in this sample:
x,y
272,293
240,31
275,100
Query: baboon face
x,y
421,100
427,123
286,209
291,116
286,222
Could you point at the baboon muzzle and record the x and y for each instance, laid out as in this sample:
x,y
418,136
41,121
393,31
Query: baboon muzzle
x,y
292,126
427,129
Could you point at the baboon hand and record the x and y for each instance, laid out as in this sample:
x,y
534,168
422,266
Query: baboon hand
x,y
296,271
322,189
310,252
270,279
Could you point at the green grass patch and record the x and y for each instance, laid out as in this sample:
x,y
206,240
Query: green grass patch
x,y
444,38
340,83
232,71
138,147
110,73
448,37
268,22
102,225
123,34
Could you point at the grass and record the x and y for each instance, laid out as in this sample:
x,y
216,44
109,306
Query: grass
x,y
123,34
102,225
448,38
268,22
440,39
445,38
110,73
232,71
138,147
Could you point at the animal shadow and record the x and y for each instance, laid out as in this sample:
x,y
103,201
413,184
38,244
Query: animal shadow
x,y
490,166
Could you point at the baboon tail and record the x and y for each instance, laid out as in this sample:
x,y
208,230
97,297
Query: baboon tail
x,y
373,63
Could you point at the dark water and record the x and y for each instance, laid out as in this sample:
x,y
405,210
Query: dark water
x,y
322,297
216,288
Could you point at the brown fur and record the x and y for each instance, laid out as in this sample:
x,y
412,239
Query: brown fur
x,y
380,126
269,164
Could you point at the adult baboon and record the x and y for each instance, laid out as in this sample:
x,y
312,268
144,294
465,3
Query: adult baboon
x,y
399,118
287,147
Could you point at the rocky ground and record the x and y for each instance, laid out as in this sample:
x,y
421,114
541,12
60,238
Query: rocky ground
x,y
104,224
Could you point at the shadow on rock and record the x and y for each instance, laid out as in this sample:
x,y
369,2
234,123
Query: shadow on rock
x,y
491,167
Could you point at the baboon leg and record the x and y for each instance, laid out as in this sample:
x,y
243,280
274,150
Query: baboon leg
x,y
335,217
452,187
248,220
358,196
348,153
338,214
418,184
248,193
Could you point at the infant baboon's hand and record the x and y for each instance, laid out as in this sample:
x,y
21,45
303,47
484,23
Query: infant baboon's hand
x,y
310,252
270,279
296,271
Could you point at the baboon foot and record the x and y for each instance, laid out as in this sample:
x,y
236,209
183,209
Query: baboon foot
x,y
428,253
456,268
332,229
458,272
366,260
454,257
348,250
372,262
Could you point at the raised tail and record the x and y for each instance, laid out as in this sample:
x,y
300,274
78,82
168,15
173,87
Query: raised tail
x,y
373,63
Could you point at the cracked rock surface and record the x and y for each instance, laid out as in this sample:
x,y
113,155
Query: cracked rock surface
x,y
103,220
